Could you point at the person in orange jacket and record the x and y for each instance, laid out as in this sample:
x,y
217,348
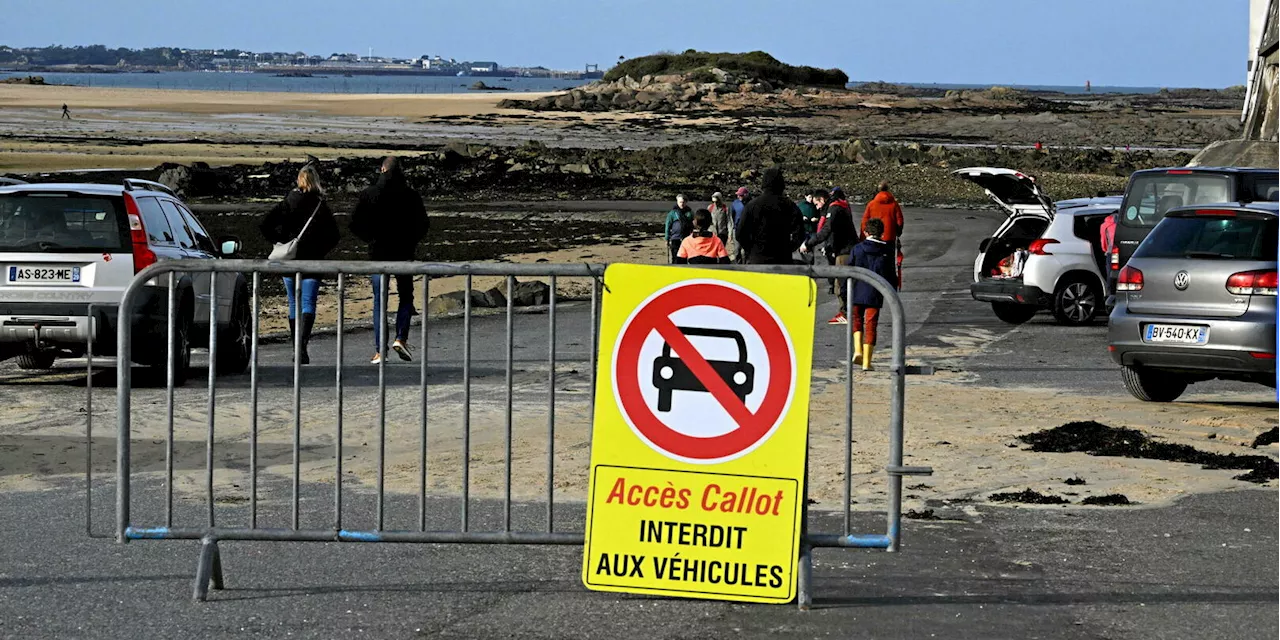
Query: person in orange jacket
x,y
885,208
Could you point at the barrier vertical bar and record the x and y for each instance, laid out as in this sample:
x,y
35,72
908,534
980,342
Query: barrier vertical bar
x,y
256,306
170,370
595,346
88,423
213,381
506,490
551,408
850,348
422,440
297,396
466,405
897,393
338,382
384,296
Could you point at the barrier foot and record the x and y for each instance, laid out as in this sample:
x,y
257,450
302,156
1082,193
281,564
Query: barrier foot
x,y
804,567
208,571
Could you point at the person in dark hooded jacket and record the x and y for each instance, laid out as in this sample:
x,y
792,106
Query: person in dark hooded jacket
x,y
879,257
770,226
391,218
837,237
303,214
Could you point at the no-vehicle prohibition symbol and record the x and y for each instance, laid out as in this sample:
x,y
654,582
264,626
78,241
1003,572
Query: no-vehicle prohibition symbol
x,y
655,316
700,433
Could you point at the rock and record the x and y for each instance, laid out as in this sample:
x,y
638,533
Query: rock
x,y
648,97
481,86
530,293
624,99
455,302
581,168
493,298
517,167
564,101
721,75
177,178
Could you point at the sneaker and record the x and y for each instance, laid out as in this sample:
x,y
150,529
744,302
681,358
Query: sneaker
x,y
377,357
402,349
838,319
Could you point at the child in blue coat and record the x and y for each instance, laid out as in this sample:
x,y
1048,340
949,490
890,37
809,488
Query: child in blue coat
x,y
877,256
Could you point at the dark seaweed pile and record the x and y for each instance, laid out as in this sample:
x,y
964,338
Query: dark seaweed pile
x,y
1266,437
1027,496
1109,500
1101,440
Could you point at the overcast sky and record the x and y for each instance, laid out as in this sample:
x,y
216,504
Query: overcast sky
x,y
1172,43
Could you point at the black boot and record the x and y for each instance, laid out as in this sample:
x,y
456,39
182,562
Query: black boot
x,y
308,321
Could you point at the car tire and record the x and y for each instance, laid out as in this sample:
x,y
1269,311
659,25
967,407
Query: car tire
x,y
1152,386
235,340
181,351
1013,313
1076,302
36,361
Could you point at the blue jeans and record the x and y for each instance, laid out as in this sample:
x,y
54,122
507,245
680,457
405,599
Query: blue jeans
x,y
310,291
404,312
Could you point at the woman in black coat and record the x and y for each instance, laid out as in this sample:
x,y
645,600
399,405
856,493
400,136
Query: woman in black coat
x,y
319,236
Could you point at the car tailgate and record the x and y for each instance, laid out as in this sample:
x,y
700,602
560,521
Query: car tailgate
x,y
1190,288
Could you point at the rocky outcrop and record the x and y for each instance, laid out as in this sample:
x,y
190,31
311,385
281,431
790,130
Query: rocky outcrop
x,y
695,91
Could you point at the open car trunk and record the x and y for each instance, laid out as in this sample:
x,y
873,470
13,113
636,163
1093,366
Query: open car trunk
x,y
1029,209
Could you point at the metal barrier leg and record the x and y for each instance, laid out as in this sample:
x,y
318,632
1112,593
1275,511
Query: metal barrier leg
x,y
804,577
208,569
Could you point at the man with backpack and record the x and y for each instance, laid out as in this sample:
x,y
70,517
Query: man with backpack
x,y
678,226
770,224
391,218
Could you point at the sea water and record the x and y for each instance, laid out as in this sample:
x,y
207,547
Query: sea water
x,y
320,82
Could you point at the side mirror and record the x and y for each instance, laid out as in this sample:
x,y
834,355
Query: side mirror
x,y
230,246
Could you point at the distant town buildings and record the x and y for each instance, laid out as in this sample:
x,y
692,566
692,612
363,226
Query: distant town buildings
x,y
279,61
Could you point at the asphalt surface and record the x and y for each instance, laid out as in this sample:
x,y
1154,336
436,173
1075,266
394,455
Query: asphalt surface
x,y
1205,566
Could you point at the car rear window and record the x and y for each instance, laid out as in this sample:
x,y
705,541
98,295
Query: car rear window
x,y
1151,195
62,222
1212,237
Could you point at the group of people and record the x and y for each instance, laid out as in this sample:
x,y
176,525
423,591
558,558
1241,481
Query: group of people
x,y
771,229
389,216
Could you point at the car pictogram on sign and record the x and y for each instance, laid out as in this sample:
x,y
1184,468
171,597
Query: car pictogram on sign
x,y
671,374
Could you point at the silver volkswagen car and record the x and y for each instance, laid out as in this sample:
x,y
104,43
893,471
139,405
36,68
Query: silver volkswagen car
x,y
1197,301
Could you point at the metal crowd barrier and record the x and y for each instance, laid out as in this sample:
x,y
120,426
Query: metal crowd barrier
x,y
210,533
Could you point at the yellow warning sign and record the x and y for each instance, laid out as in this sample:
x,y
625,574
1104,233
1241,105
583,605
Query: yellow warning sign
x,y
700,430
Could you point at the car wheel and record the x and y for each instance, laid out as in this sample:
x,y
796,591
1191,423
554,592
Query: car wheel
x,y
235,341
1013,313
181,351
1076,302
1152,386
36,360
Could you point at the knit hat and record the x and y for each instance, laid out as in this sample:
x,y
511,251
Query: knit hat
x,y
742,191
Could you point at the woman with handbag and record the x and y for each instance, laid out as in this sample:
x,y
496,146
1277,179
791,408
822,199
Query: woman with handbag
x,y
302,228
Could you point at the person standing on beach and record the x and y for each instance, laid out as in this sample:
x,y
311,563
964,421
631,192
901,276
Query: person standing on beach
x,y
66,112
885,208
678,226
808,218
770,224
876,255
304,215
390,217
739,205
721,219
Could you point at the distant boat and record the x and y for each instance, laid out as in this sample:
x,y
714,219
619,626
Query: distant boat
x,y
462,74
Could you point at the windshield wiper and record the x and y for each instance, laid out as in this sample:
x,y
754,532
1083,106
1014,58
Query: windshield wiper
x,y
1209,254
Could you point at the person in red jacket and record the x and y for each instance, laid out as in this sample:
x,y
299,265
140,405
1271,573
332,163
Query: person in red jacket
x,y
885,208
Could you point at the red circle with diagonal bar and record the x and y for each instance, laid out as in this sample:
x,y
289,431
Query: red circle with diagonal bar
x,y
752,428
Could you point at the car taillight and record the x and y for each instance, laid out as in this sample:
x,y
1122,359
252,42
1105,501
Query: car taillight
x,y
1252,283
1221,213
1130,280
143,256
1178,172
1115,258
1036,248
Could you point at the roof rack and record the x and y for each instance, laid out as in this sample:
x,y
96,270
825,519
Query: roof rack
x,y
137,183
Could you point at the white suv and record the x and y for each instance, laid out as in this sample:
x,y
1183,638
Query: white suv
x,y
65,247
1047,255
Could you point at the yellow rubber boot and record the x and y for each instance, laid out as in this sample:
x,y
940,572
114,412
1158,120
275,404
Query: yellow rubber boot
x,y
866,357
857,345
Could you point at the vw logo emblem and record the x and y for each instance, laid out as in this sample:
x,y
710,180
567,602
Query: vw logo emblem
x,y
1182,280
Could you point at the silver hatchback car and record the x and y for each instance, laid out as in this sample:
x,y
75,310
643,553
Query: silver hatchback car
x,y
1197,301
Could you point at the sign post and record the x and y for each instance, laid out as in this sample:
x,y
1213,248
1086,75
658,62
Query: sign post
x,y
700,434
